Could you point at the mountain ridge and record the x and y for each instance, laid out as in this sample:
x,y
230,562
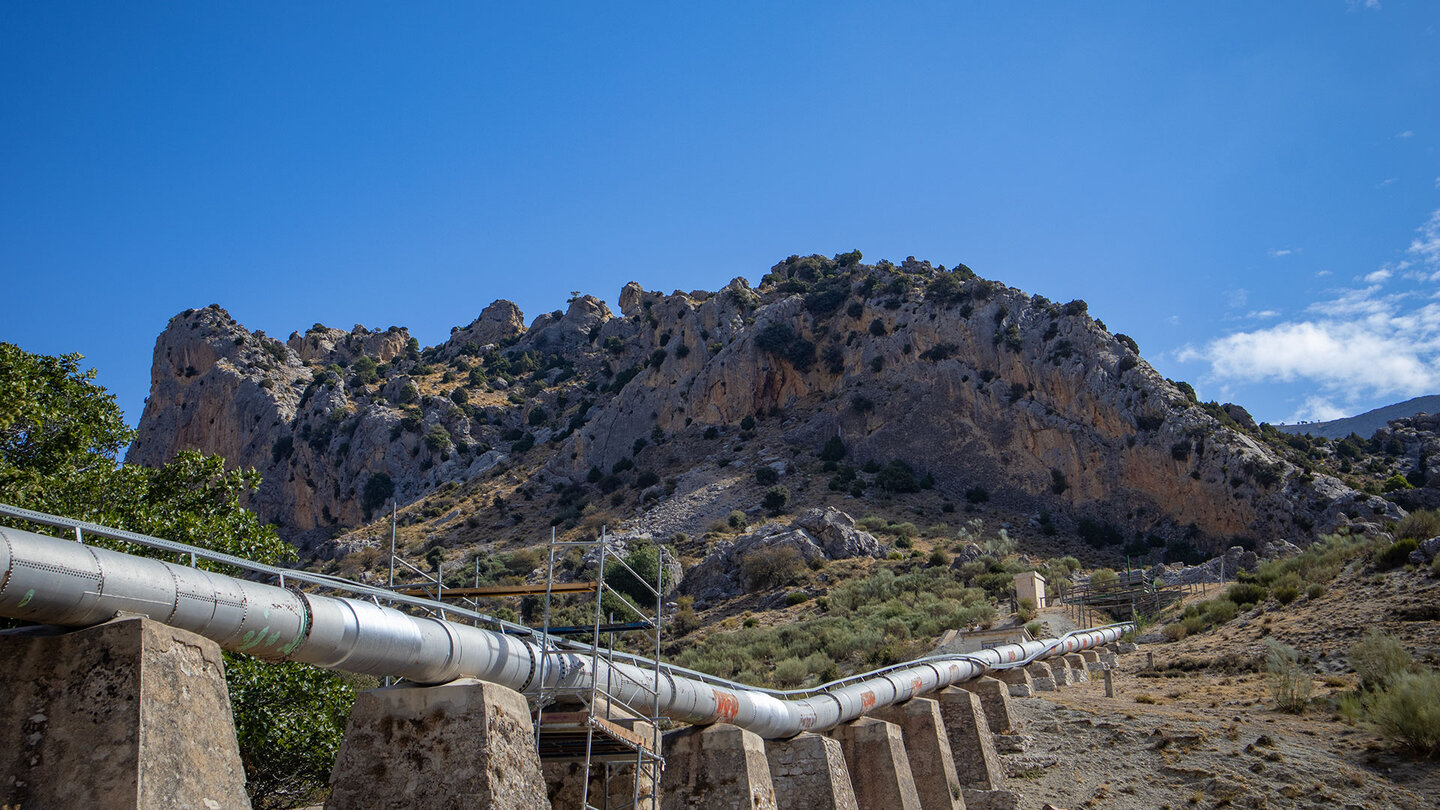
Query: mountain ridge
x,y
972,387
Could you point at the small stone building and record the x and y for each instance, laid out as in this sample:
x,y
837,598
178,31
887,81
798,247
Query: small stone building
x,y
1030,585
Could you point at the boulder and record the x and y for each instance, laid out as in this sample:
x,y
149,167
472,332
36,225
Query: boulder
x,y
722,574
837,534
1426,551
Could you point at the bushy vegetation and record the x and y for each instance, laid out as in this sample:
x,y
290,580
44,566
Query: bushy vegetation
x,y
1289,681
1422,524
60,435
869,622
1395,698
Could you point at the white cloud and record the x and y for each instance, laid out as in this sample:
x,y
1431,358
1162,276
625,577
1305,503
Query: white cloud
x,y
1427,245
1237,298
1356,5
1275,254
1387,181
1324,273
1317,409
1406,134
1371,340
1339,356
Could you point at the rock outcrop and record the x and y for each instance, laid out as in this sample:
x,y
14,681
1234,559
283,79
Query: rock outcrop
x,y
967,385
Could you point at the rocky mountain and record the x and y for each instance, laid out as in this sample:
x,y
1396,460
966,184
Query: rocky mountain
x,y
847,381
1367,423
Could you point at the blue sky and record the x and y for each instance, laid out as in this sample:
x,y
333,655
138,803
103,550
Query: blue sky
x,y
1251,190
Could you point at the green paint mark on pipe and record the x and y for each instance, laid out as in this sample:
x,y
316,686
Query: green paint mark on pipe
x,y
251,642
30,594
247,640
274,637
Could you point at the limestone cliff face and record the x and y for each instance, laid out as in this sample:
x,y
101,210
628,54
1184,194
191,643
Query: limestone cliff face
x,y
975,384
970,382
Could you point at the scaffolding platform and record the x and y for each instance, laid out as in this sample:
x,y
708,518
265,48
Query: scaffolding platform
x,y
563,737
487,591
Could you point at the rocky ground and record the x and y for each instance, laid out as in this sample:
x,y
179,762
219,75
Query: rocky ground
x,y
1207,740
1200,730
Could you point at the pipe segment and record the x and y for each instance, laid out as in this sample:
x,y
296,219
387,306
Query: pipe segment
x,y
55,581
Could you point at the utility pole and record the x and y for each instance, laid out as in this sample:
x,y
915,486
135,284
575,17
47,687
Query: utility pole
x,y
392,544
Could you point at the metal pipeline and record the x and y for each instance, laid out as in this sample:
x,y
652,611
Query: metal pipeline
x,y
63,582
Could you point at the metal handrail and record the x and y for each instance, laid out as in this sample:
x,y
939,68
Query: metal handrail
x,y
555,642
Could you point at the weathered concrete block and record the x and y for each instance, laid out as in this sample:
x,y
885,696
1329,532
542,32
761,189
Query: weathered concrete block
x,y
1017,680
879,767
927,747
1012,743
992,800
1042,677
976,763
127,714
614,780
809,773
1092,660
1076,663
721,767
995,700
466,744
1059,672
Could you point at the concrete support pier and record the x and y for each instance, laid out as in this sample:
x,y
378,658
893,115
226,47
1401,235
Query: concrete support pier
x,y
809,773
927,747
995,700
1042,677
976,763
1017,680
1092,660
1076,663
466,744
718,767
127,714
879,767
1059,672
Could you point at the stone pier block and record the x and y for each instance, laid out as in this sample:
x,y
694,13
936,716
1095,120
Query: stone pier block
x,y
879,767
1042,678
127,714
1092,660
1076,663
1060,672
718,767
466,744
1018,681
563,785
976,763
995,700
809,773
927,747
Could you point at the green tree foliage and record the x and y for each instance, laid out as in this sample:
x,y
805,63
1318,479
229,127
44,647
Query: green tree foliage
x,y
59,438
644,560
775,499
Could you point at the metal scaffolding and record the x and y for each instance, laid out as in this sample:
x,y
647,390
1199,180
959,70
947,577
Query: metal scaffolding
x,y
607,732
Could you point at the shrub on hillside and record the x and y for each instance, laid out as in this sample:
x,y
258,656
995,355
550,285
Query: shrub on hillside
x,y
1246,593
775,499
1408,711
1289,682
1422,524
1378,659
772,567
1396,555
